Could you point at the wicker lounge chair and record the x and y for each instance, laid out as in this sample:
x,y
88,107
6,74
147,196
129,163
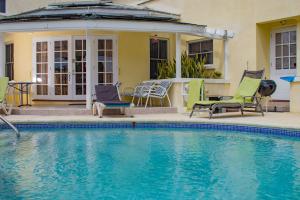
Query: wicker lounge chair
x,y
245,98
159,91
108,97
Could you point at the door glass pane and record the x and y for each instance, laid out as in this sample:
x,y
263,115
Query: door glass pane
x,y
109,45
293,36
278,38
41,68
286,63
293,49
278,63
61,64
285,37
109,56
293,62
278,51
285,50
80,65
79,90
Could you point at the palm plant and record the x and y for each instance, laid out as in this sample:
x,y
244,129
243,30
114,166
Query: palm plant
x,y
190,68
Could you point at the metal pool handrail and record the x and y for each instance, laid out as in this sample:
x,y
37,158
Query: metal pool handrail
x,y
10,125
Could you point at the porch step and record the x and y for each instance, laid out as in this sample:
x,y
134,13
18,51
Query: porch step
x,y
81,110
52,111
277,106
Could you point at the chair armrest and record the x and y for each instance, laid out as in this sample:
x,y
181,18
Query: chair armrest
x,y
155,87
256,98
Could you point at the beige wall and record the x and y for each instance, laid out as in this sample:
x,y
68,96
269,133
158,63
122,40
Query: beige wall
x,y
133,53
295,97
251,20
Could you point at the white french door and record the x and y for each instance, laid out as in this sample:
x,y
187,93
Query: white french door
x,y
51,68
106,71
79,68
283,60
59,66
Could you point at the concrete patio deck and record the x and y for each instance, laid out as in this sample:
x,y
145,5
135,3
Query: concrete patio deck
x,y
283,120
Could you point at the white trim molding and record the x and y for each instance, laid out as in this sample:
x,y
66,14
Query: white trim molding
x,y
116,25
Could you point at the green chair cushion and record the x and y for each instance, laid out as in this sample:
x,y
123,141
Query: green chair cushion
x,y
3,87
248,87
194,93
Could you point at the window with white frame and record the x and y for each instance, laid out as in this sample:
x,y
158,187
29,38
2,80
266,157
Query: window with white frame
x,y
201,49
285,50
158,54
2,6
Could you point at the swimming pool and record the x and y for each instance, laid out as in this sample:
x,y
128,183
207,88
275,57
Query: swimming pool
x,y
53,162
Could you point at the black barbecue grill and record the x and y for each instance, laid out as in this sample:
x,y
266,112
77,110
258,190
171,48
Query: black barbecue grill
x,y
267,88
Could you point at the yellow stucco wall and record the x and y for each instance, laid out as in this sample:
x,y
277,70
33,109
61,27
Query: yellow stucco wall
x,y
295,97
133,53
250,20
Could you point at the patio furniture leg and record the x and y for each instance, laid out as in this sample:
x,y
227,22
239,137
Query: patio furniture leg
x,y
161,104
4,109
170,104
100,108
147,101
132,101
261,109
122,111
212,110
94,109
210,113
194,107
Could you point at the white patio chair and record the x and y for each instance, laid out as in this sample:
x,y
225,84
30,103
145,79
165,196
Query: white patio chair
x,y
141,91
159,91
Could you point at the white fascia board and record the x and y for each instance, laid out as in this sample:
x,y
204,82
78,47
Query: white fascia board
x,y
108,25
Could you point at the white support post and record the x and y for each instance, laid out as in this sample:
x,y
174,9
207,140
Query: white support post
x,y
226,70
89,69
178,56
2,55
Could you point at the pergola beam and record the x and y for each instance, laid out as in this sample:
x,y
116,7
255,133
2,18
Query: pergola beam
x,y
178,56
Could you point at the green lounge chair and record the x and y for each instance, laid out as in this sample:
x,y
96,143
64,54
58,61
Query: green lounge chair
x,y
195,92
245,97
3,92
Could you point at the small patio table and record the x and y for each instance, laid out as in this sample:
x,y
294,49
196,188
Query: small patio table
x,y
23,87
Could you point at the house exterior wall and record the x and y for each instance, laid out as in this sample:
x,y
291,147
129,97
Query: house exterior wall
x,y
251,20
133,51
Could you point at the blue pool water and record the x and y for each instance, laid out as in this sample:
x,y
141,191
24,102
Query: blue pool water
x,y
147,164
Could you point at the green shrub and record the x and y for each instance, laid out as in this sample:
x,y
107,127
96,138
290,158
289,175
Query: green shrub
x,y
190,68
